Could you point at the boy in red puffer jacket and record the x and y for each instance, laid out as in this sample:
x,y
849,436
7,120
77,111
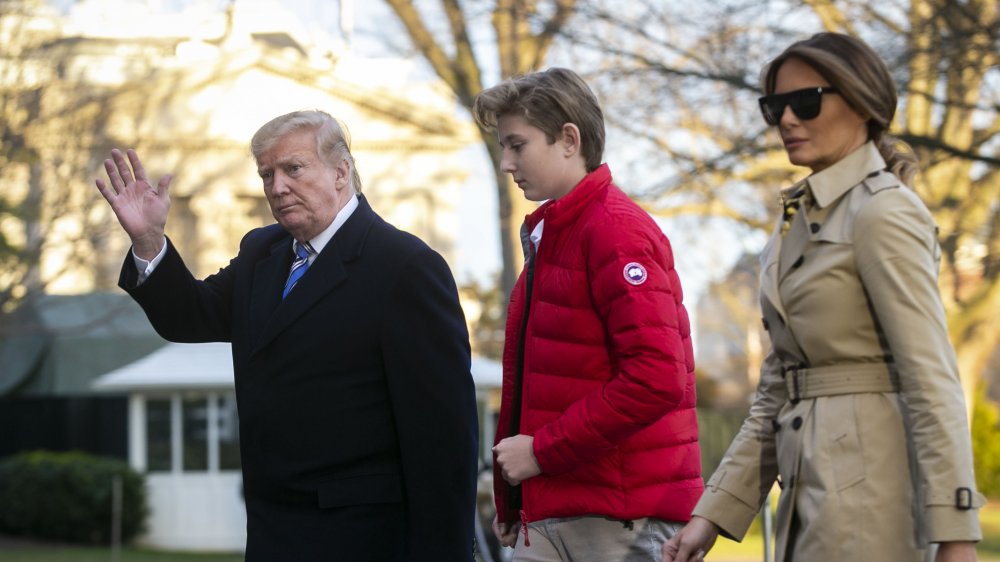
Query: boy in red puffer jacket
x,y
596,454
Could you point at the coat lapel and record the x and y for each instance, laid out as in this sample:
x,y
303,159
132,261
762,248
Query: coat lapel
x,y
323,276
269,277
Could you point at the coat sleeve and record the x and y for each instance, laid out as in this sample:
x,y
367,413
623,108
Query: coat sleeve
x,y
427,360
646,330
181,308
737,489
897,259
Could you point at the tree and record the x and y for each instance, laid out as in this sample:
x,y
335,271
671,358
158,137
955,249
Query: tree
x,y
682,81
46,116
523,31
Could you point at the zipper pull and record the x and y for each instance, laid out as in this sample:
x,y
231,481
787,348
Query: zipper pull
x,y
524,527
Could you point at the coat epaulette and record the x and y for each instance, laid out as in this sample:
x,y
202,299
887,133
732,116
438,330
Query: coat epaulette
x,y
877,181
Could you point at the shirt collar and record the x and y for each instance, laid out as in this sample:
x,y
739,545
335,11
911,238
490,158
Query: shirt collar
x,y
321,239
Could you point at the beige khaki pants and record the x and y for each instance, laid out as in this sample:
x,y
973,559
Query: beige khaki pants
x,y
594,539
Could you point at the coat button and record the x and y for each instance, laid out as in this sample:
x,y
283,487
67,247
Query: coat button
x,y
814,227
798,262
797,422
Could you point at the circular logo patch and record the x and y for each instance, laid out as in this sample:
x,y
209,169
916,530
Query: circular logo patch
x,y
635,273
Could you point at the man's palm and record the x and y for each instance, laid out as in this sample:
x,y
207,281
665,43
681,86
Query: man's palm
x,y
141,209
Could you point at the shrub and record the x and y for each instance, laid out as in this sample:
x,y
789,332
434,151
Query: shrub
x,y
986,443
67,496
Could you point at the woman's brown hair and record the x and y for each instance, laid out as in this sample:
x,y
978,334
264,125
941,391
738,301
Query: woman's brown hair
x,y
863,80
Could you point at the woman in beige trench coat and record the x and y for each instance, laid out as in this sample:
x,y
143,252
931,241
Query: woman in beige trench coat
x,y
859,415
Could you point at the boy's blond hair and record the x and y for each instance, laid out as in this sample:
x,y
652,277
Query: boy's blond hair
x,y
548,100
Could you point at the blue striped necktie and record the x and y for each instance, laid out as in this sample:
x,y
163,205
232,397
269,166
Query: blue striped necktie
x,y
299,266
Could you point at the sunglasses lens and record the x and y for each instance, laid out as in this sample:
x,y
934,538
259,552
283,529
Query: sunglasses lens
x,y
807,104
772,109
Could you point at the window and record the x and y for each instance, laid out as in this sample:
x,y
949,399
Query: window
x,y
158,435
192,432
194,427
229,433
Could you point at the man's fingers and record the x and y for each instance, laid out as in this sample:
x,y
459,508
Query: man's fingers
x,y
123,170
105,190
133,158
163,186
113,177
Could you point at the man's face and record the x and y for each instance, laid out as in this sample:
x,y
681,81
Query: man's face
x,y
304,192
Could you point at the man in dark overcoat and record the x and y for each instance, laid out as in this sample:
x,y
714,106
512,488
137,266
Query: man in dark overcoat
x,y
358,428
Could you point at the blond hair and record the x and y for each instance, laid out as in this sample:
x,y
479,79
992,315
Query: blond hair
x,y
548,100
333,142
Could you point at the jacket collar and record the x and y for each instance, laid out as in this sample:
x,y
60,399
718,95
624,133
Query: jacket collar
x,y
830,184
569,206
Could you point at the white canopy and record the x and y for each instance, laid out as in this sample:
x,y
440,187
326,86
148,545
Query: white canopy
x,y
210,365
175,365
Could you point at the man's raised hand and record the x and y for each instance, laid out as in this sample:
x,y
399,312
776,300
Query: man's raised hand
x,y
140,208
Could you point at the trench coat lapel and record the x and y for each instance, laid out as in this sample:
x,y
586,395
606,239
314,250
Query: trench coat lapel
x,y
325,274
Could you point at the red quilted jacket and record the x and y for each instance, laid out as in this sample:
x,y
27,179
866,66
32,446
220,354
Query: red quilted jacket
x,y
598,366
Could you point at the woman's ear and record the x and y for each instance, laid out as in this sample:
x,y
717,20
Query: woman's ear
x,y
570,139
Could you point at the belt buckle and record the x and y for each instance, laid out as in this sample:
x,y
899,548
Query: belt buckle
x,y
796,392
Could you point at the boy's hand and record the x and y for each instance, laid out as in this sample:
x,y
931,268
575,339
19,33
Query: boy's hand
x,y
507,535
516,458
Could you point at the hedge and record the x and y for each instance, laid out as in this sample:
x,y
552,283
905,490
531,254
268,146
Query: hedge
x,y
986,443
67,497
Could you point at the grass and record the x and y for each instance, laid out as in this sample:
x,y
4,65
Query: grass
x,y
989,518
752,547
750,550
27,551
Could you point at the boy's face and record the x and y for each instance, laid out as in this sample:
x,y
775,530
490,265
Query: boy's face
x,y
542,170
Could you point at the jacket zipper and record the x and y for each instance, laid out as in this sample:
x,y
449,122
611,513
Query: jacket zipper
x,y
515,494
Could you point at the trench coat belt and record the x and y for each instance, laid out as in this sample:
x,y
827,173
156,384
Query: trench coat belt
x,y
832,380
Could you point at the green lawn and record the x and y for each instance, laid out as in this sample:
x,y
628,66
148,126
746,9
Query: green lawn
x,y
41,553
750,550
752,547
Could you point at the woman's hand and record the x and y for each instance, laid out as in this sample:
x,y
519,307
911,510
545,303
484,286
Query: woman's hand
x,y
956,552
692,542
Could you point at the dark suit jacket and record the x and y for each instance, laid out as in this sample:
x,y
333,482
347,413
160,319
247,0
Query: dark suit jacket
x,y
358,427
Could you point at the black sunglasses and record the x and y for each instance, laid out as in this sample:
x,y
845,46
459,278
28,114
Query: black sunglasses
x,y
805,103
